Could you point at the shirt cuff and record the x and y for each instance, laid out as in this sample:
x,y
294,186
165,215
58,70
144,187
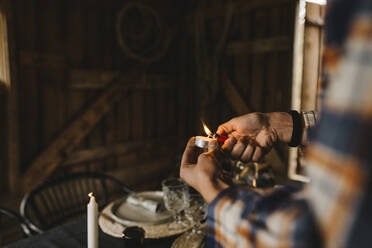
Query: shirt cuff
x,y
220,195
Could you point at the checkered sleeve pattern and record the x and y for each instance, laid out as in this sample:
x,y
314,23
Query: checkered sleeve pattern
x,y
335,208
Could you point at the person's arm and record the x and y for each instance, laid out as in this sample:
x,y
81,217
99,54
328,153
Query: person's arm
x,y
241,217
254,134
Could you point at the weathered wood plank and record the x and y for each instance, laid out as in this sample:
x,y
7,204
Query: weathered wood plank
x,y
70,138
111,136
107,45
161,103
311,60
96,79
8,78
242,62
133,174
258,64
52,78
138,115
271,68
34,58
75,53
243,6
75,30
274,44
234,98
30,117
102,152
314,21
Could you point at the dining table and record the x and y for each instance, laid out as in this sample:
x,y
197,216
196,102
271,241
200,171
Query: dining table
x,y
74,235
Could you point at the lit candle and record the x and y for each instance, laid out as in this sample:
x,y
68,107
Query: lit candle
x,y
203,141
92,217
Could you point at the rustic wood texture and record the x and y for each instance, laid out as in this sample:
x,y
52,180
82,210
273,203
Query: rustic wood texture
x,y
9,133
313,46
70,138
240,48
67,53
113,150
5,84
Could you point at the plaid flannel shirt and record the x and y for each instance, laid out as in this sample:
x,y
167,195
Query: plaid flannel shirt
x,y
335,209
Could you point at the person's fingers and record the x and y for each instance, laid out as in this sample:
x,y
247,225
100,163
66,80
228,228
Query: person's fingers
x,y
218,155
190,154
238,149
204,158
257,155
229,144
187,174
248,153
212,145
225,128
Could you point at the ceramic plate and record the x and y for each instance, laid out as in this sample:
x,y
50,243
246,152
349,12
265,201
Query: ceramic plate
x,y
129,215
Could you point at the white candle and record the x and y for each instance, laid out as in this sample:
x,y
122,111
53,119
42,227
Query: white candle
x,y
202,141
92,217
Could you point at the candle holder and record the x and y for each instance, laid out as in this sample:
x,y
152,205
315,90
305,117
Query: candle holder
x,y
203,141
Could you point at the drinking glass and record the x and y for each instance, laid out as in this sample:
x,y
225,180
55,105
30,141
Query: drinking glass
x,y
196,211
175,193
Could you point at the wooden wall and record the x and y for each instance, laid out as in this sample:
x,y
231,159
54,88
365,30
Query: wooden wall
x,y
313,50
3,144
67,52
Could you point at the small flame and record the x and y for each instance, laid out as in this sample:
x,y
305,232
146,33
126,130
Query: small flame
x,y
91,194
206,130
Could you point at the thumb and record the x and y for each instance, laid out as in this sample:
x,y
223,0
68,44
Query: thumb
x,y
225,128
212,145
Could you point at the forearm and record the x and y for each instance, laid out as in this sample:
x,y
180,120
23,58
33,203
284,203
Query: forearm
x,y
282,123
244,216
211,189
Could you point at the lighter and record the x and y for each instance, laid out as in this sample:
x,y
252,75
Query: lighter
x,y
203,141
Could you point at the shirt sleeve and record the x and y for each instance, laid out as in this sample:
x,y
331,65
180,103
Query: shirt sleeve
x,y
241,217
339,159
336,205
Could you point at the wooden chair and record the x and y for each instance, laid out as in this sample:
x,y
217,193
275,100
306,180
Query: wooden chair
x,y
56,202
12,227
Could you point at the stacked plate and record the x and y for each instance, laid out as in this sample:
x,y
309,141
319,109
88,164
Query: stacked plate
x,y
120,214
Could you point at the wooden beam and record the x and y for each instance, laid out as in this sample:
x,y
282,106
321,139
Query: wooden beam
x,y
311,58
102,152
314,21
234,98
274,44
9,82
244,6
71,137
142,172
37,59
96,79
240,107
90,79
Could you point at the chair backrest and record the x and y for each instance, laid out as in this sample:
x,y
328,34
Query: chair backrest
x,y
55,202
12,227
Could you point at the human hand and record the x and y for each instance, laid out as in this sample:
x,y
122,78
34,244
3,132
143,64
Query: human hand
x,y
204,172
251,136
